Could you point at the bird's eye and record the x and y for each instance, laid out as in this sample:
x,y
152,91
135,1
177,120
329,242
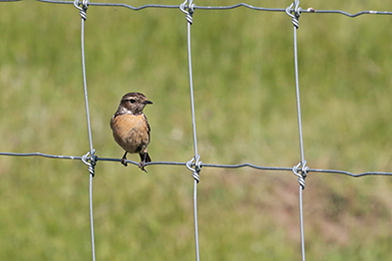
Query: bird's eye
x,y
132,100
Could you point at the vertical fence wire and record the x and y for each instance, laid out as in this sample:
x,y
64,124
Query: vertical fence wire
x,y
91,164
303,162
195,220
196,167
91,217
301,173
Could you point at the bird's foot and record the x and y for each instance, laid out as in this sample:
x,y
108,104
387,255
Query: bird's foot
x,y
124,162
142,164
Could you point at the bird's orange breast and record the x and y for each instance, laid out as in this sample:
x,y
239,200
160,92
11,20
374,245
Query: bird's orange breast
x,y
131,132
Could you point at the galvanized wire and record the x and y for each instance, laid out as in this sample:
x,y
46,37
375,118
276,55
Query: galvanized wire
x,y
299,173
193,164
202,164
39,154
229,7
91,162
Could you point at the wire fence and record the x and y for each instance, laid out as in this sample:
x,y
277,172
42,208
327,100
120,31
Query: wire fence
x,y
301,170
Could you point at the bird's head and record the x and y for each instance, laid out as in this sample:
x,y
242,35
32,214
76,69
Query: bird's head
x,y
134,102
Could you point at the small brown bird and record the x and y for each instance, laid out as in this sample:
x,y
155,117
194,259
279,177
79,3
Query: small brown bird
x,y
130,127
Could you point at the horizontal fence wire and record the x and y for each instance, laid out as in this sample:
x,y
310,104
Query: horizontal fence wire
x,y
229,7
203,164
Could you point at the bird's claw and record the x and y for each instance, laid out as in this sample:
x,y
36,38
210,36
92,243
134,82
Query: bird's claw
x,y
124,162
142,164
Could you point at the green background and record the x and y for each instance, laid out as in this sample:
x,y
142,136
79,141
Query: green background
x,y
244,87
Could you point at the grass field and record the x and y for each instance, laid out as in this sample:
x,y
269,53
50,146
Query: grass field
x,y
245,112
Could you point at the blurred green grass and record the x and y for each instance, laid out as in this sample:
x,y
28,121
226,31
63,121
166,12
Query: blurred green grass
x,y
246,112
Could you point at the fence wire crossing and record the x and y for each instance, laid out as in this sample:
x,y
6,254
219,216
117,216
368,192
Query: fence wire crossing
x,y
300,170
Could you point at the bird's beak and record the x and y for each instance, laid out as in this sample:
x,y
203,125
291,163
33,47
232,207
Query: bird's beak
x,y
147,102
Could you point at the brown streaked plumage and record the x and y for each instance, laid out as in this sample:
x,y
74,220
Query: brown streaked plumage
x,y
130,127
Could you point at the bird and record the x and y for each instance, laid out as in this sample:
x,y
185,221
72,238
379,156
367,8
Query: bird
x,y
130,127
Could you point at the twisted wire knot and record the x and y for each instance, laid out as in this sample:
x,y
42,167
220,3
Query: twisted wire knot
x,y
90,161
83,9
297,13
189,13
194,165
301,171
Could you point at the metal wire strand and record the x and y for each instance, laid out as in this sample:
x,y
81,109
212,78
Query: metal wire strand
x,y
196,157
202,164
195,166
91,169
229,7
90,161
300,173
